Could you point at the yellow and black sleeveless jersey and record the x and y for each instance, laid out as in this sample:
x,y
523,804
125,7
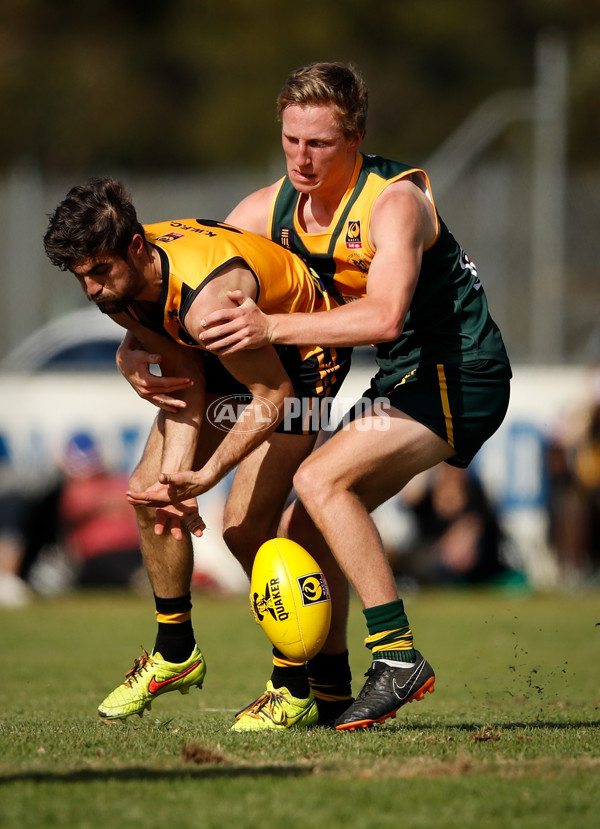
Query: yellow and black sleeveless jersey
x,y
195,251
448,320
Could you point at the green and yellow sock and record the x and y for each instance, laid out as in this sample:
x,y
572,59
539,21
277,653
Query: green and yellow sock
x,y
175,639
390,636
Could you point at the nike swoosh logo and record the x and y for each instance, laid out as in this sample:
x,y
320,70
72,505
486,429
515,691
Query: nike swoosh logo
x,y
402,691
294,720
154,687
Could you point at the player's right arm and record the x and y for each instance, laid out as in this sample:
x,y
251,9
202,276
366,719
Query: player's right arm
x,y
252,213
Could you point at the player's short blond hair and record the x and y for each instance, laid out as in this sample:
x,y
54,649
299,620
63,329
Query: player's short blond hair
x,y
318,84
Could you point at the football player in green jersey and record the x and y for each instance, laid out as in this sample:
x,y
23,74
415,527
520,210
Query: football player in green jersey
x,y
370,228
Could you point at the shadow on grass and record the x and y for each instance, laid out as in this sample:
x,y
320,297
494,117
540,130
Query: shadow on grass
x,y
507,726
147,774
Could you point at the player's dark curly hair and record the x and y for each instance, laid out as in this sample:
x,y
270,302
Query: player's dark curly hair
x,y
340,84
94,219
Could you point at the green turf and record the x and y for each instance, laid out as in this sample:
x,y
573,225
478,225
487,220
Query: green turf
x,y
511,736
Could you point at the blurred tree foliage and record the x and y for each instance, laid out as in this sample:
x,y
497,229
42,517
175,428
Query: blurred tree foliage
x,y
177,84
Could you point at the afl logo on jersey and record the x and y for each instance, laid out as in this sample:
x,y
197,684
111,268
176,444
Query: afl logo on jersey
x,y
353,239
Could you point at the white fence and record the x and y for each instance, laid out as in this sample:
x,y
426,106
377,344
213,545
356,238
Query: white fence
x,y
39,412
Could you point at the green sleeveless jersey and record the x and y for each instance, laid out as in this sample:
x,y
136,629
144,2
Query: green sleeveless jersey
x,y
448,320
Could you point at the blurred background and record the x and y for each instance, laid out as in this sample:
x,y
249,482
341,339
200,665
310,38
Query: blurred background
x,y
499,103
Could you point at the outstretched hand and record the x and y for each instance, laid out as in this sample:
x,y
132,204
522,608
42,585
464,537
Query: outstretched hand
x,y
174,513
171,488
233,329
182,485
177,517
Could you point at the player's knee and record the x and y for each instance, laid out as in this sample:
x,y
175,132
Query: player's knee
x,y
294,522
138,482
287,522
244,538
146,517
242,543
309,483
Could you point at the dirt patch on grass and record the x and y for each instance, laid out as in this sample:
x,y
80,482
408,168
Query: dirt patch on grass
x,y
201,756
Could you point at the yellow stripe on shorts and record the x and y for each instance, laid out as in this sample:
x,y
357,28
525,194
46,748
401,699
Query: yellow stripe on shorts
x,y
446,404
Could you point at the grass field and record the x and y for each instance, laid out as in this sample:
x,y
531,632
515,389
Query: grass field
x,y
511,737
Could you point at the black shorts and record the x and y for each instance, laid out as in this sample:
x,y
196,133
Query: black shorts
x,y
464,404
314,379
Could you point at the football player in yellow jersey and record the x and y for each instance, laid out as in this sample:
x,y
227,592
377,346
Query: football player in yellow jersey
x,y
370,228
159,282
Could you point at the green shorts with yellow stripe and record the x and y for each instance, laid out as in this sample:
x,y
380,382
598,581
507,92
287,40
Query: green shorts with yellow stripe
x,y
464,404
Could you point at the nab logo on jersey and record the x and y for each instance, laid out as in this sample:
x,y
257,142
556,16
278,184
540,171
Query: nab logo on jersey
x,y
353,239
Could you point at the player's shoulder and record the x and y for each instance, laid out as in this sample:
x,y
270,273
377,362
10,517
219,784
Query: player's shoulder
x,y
405,203
409,189
253,212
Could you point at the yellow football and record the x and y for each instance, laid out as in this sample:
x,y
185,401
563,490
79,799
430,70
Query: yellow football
x,y
290,598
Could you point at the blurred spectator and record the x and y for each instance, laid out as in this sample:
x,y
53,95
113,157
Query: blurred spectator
x,y
73,526
28,524
455,534
98,528
14,508
573,463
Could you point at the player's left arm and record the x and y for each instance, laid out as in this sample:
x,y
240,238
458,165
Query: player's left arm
x,y
134,364
260,370
180,428
177,360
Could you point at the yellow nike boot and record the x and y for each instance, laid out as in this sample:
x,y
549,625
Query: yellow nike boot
x,y
150,677
277,710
